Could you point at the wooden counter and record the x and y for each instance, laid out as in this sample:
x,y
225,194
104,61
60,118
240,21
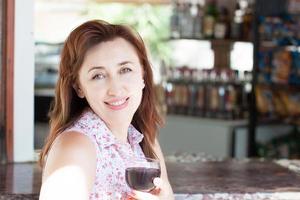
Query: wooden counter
x,y
231,179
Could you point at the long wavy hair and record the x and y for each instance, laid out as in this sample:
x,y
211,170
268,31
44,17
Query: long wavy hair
x,y
67,106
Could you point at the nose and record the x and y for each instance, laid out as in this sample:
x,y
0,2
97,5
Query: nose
x,y
115,87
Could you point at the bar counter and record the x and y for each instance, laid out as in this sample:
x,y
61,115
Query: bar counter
x,y
234,180
197,180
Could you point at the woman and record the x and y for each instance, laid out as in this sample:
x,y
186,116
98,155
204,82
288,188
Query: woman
x,y
103,115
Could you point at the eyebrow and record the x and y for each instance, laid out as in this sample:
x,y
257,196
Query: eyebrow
x,y
102,67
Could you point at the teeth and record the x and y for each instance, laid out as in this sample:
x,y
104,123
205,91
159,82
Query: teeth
x,y
117,103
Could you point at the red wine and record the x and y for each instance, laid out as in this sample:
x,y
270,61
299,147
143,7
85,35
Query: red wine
x,y
141,178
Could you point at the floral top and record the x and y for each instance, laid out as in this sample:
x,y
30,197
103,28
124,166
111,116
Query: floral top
x,y
112,156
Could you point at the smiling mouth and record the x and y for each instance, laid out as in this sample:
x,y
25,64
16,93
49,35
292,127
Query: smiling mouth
x,y
117,103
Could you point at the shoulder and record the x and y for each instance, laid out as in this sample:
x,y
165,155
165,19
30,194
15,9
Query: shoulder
x,y
72,149
73,142
70,168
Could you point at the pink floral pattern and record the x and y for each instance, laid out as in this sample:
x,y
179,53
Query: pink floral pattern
x,y
112,156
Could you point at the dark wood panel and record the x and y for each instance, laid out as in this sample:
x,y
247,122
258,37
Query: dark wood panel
x,y
2,96
8,69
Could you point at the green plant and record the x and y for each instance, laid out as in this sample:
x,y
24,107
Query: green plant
x,y
151,21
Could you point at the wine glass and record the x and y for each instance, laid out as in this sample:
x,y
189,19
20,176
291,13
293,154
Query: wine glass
x,y
140,172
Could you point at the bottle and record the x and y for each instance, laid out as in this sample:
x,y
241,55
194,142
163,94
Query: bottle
x,y
174,21
213,95
247,24
231,102
198,19
236,25
221,93
199,92
192,100
209,19
181,19
221,30
177,90
187,21
169,91
183,90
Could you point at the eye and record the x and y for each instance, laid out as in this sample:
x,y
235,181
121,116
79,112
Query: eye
x,y
125,70
98,76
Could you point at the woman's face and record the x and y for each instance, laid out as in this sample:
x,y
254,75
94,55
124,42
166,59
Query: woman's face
x,y
111,80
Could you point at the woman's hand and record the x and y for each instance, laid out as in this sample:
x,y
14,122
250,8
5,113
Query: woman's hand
x,y
162,191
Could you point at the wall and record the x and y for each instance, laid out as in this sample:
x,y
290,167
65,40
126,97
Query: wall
x,y
194,135
23,81
212,136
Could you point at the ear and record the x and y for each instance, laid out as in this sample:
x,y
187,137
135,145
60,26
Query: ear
x,y
79,92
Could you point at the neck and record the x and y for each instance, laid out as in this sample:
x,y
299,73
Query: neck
x,y
119,131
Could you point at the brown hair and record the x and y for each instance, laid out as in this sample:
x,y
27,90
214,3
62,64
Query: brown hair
x,y
67,106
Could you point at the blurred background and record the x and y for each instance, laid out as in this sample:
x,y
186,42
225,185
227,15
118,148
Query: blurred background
x,y
227,73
